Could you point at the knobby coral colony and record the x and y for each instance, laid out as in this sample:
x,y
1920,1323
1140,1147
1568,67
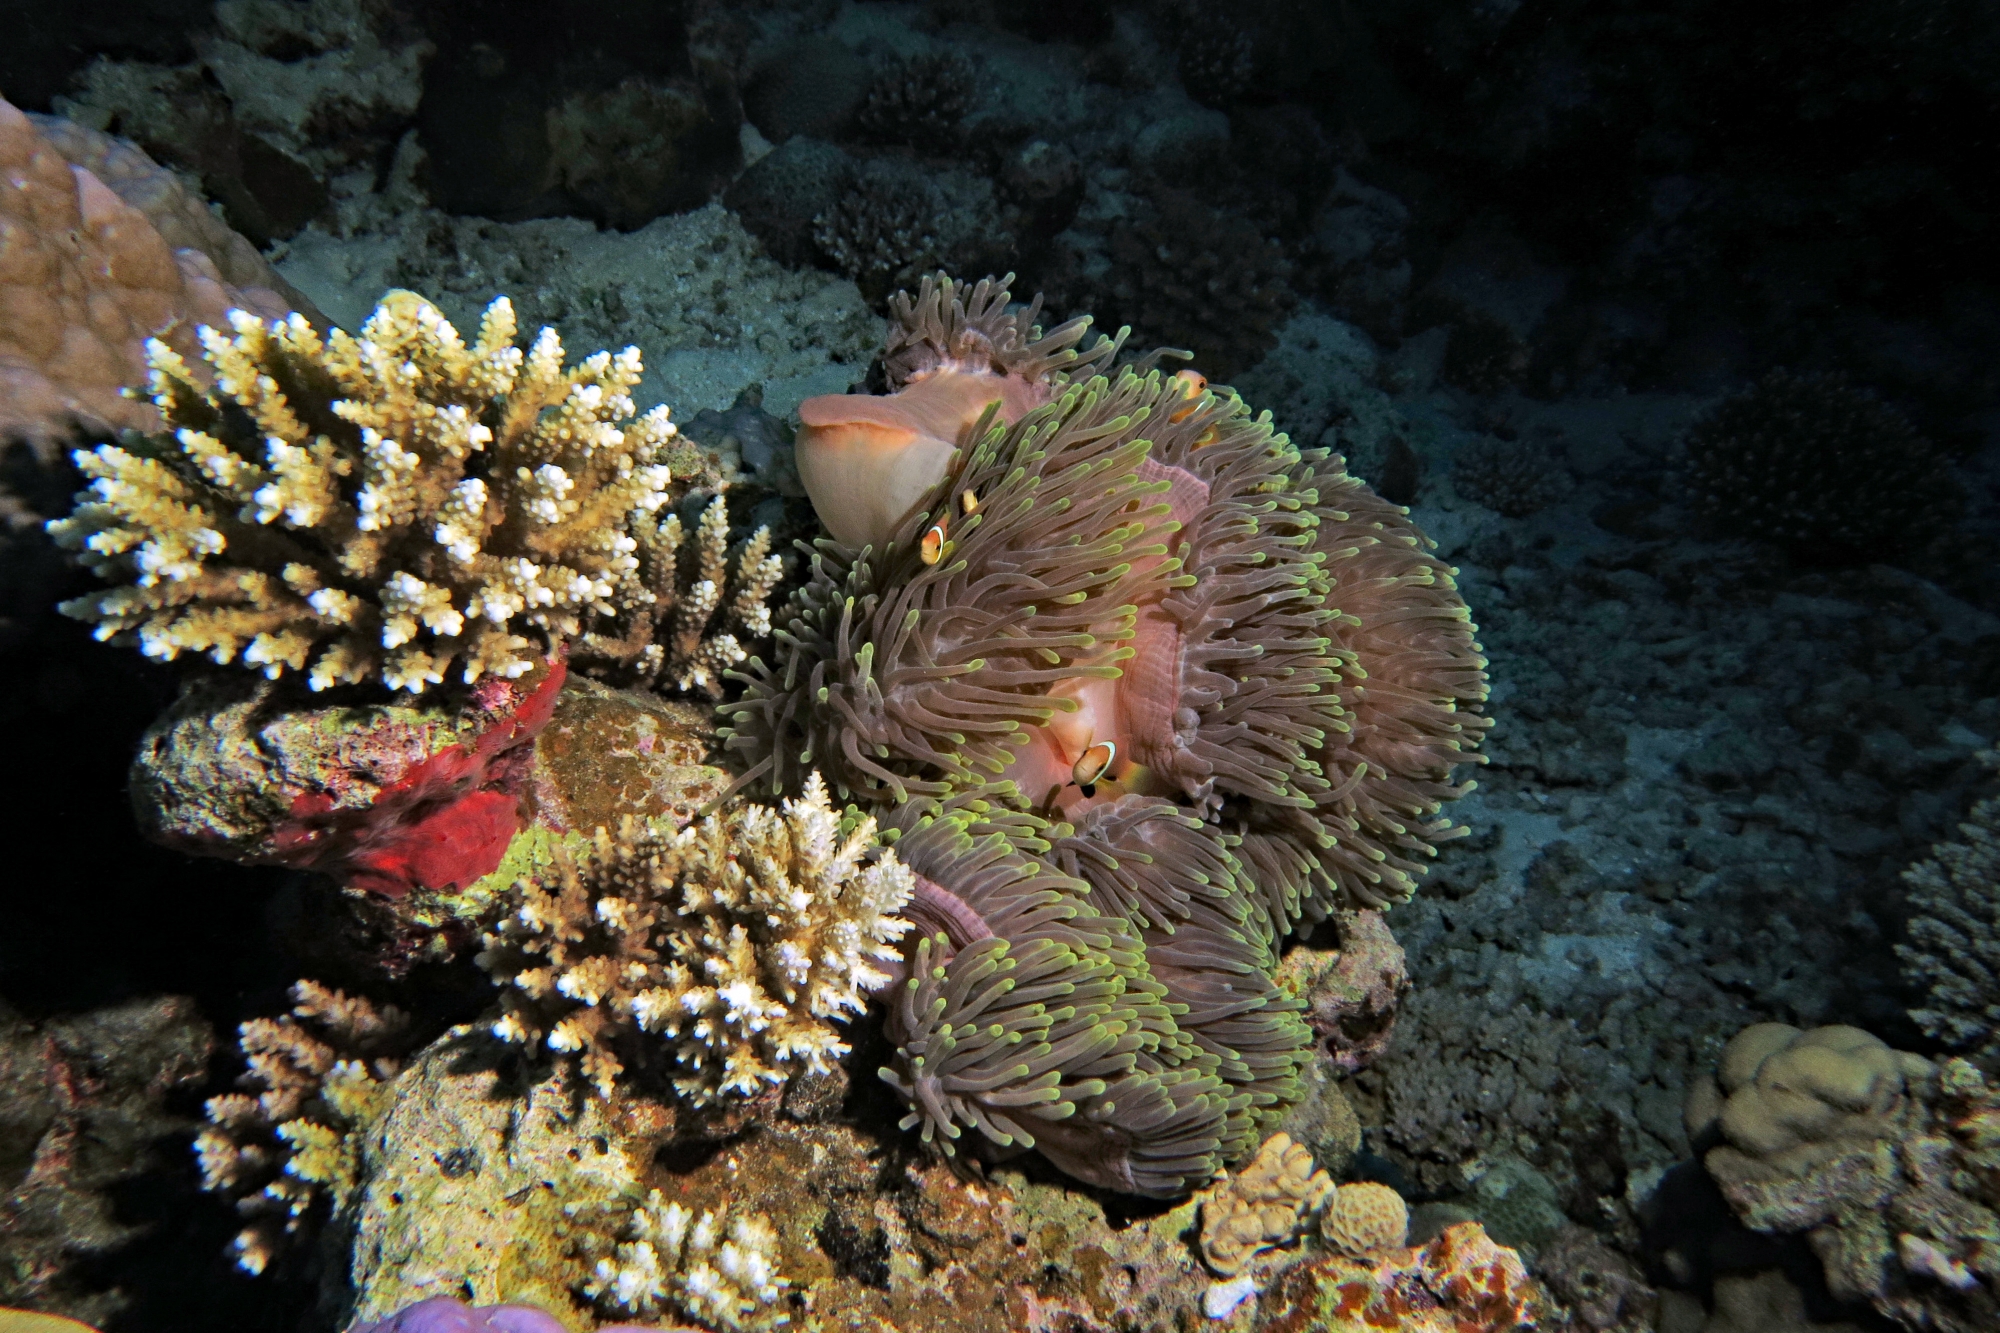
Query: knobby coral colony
x,y
1139,688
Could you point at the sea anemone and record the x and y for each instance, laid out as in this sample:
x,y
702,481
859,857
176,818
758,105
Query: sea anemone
x,y
1410,689
1141,688
1036,1021
867,460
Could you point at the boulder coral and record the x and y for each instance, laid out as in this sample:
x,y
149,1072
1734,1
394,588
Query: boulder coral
x,y
101,249
1263,1205
1888,1164
1141,689
1364,1218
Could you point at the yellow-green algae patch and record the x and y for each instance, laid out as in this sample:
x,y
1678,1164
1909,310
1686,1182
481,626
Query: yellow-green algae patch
x,y
610,753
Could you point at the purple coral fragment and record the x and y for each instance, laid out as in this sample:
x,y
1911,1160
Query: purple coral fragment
x,y
442,1314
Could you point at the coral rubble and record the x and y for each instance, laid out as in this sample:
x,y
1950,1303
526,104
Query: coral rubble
x,y
527,1176
538,1186
87,1113
1351,995
739,940
382,507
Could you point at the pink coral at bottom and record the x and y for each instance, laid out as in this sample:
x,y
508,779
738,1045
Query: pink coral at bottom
x,y
1460,1282
442,1314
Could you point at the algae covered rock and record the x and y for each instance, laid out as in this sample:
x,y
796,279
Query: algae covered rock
x,y
1323,1119
415,801
466,1179
386,796
1352,993
608,753
486,1185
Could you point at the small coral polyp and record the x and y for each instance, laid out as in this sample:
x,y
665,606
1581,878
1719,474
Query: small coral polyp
x,y
720,1270
1143,689
382,507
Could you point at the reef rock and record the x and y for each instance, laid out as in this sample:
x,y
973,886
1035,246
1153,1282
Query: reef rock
x,y
488,1185
1461,1282
1888,1164
1352,994
413,802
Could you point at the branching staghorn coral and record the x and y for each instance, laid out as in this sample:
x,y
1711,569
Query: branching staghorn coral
x,y
387,506
739,940
897,219
1511,477
290,1153
1954,948
919,99
702,613
721,1270
1113,634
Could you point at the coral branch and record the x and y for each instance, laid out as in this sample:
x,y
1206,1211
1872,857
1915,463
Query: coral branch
x,y
383,507
738,940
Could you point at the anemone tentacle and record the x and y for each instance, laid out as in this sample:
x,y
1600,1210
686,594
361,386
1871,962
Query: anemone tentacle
x,y
920,677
